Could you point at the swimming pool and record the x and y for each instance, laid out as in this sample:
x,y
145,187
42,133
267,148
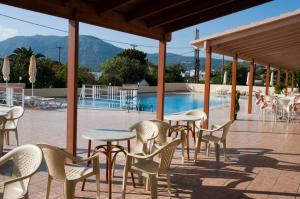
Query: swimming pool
x,y
174,102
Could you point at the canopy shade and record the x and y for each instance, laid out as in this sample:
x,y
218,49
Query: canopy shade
x,y
149,18
274,41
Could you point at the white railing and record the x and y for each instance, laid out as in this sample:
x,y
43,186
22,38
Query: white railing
x,y
122,97
12,96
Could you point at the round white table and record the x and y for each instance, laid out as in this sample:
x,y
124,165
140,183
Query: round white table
x,y
184,118
108,136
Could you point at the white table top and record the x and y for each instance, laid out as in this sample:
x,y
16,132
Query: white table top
x,y
183,117
4,110
108,135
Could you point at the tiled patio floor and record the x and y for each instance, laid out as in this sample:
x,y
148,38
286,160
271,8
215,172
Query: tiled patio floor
x,y
264,157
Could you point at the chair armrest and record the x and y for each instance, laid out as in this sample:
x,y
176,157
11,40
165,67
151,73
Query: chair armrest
x,y
92,158
5,158
68,155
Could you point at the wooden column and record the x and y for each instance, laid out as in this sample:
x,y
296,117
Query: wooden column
x,y
72,86
286,80
207,85
278,76
251,73
161,80
267,79
293,81
233,86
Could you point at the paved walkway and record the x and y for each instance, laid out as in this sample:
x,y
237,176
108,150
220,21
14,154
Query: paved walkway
x,y
264,157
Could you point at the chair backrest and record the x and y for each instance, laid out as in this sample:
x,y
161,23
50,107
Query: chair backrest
x,y
55,159
166,154
145,131
199,113
225,128
163,129
26,161
2,122
16,113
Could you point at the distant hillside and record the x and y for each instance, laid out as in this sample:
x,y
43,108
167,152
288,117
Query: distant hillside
x,y
92,51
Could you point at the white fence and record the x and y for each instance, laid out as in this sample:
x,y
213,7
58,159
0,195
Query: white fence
x,y
12,96
118,97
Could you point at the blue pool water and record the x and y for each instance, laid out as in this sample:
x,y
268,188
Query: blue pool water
x,y
174,102
179,102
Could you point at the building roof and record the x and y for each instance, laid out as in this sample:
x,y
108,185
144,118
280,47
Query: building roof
x,y
149,18
274,41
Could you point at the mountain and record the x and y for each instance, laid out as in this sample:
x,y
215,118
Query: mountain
x,y
92,51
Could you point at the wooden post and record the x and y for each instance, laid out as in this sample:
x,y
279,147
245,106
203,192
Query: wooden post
x,y
267,79
207,84
286,80
278,76
72,86
293,81
233,86
161,80
250,84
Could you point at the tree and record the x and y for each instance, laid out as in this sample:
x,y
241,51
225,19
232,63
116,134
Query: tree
x,y
124,69
241,74
174,73
134,54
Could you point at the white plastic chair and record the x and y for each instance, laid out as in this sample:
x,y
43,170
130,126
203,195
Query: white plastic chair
x,y
26,160
163,130
12,122
146,133
213,139
2,132
70,174
150,169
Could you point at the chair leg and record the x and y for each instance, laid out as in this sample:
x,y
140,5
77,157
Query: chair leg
x,y
217,149
124,183
7,137
225,153
48,186
207,149
98,184
169,184
182,145
17,136
153,185
197,148
69,189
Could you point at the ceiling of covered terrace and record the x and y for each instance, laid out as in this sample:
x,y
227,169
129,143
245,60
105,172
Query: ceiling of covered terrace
x,y
149,18
274,41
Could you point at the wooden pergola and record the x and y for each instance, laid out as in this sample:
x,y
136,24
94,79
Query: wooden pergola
x,y
149,18
272,42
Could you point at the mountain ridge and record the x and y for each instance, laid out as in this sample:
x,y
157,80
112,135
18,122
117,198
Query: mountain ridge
x,y
92,50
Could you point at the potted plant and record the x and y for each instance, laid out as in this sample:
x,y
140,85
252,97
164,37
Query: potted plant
x,y
237,104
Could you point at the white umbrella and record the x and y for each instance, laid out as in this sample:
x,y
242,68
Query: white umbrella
x,y
32,71
225,78
6,69
272,79
248,75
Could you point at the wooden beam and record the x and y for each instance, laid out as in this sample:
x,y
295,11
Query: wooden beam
x,y
267,79
207,85
209,15
250,86
293,81
233,86
72,86
150,8
161,79
184,10
278,77
286,79
105,6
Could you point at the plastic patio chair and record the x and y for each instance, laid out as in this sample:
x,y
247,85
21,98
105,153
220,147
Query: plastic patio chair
x,y
70,174
146,133
163,130
150,169
12,123
212,139
26,160
2,126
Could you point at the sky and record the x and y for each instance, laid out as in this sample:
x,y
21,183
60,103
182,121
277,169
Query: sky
x,y
180,43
